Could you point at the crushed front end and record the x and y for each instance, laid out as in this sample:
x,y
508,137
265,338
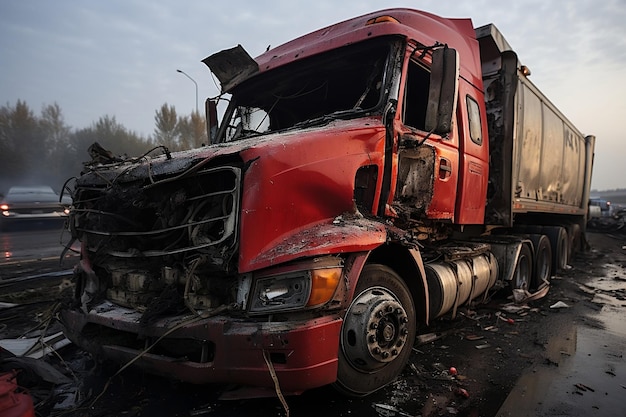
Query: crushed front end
x,y
158,283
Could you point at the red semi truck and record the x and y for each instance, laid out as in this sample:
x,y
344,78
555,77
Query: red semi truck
x,y
363,180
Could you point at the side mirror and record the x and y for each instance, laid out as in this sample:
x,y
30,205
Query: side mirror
x,y
211,120
443,91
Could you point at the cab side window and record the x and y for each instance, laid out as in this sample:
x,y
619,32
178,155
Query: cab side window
x,y
473,113
416,96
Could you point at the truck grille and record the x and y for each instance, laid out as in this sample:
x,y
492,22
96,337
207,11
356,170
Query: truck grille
x,y
196,213
162,246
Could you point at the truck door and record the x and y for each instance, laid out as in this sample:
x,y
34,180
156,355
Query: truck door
x,y
473,157
427,162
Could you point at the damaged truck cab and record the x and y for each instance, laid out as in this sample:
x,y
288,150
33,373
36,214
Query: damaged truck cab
x,y
346,199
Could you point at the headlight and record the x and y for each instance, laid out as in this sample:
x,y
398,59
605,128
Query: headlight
x,y
294,290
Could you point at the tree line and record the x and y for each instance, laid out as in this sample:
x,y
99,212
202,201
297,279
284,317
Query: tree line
x,y
41,149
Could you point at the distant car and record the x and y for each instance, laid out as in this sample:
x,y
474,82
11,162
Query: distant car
x,y
605,206
32,203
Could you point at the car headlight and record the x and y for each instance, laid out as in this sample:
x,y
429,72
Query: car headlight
x,y
294,290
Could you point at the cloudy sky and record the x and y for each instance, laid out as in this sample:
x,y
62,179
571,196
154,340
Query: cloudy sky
x,y
119,57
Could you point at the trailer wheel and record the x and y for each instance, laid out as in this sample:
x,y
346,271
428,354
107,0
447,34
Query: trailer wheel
x,y
523,269
560,246
377,334
575,240
542,270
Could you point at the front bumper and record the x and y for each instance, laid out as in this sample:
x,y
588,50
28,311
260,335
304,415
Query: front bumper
x,y
303,353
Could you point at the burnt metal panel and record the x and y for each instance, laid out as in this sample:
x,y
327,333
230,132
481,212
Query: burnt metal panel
x,y
231,66
416,176
539,160
500,96
549,159
492,44
530,145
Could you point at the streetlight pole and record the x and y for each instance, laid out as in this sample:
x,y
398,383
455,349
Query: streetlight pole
x,y
195,83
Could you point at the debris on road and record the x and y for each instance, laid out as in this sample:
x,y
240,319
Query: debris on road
x,y
14,400
584,387
559,304
462,392
35,347
385,410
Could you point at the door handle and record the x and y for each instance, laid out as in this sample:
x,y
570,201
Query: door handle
x,y
445,169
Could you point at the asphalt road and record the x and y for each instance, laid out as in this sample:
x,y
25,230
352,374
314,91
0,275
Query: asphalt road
x,y
33,242
538,361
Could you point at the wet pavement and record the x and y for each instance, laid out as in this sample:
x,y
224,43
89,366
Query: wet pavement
x,y
589,378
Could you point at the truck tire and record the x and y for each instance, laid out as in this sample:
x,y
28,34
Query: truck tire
x,y
560,247
377,334
542,270
575,240
522,277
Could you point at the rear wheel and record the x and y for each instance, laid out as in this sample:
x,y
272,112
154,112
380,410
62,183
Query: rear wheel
x,y
542,270
377,333
575,240
560,246
523,269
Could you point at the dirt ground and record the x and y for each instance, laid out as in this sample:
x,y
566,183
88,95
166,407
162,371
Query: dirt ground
x,y
466,366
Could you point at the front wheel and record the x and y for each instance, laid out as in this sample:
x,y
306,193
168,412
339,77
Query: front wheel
x,y
377,333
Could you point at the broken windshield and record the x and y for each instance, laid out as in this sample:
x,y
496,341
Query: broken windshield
x,y
340,83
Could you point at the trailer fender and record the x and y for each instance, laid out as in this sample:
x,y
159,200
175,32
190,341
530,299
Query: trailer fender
x,y
507,250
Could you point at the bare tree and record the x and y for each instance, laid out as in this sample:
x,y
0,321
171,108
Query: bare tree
x,y
22,147
166,131
56,136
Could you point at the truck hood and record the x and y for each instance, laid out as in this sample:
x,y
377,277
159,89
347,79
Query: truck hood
x,y
178,164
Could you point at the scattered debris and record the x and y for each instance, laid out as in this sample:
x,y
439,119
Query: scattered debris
x,y
513,308
427,338
35,347
504,318
559,304
584,387
523,296
36,369
67,397
338,220
550,362
202,410
14,401
462,392
386,410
